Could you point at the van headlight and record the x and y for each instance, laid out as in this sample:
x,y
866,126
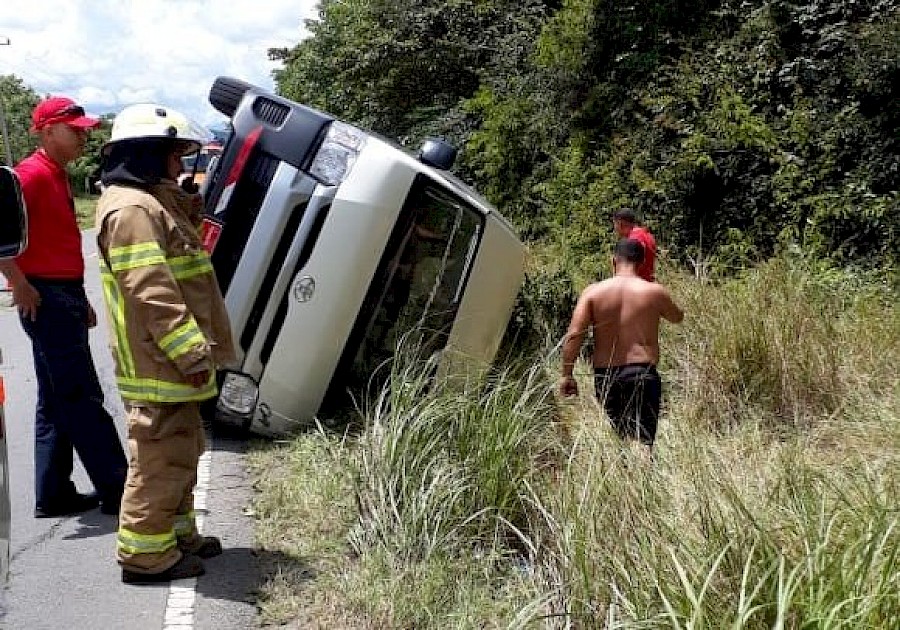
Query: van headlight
x,y
239,394
338,153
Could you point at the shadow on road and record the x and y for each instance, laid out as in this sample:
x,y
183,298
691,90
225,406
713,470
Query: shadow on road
x,y
92,524
240,574
233,576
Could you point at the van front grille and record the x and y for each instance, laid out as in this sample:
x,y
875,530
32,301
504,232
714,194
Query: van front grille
x,y
281,314
269,111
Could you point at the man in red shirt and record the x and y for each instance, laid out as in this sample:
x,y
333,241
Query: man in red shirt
x,y
48,287
626,225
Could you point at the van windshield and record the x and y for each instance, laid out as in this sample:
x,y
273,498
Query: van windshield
x,y
423,280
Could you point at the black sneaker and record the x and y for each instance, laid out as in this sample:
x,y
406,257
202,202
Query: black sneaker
x,y
75,504
111,506
189,566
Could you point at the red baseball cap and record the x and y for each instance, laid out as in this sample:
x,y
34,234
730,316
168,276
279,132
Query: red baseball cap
x,y
60,109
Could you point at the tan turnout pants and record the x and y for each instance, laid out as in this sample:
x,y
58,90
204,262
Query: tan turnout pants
x,y
156,522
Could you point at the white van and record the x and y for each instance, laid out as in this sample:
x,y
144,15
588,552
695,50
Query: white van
x,y
331,244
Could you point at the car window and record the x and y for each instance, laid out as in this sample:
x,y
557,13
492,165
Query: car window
x,y
201,159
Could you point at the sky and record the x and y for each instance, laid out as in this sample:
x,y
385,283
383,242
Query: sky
x,y
107,54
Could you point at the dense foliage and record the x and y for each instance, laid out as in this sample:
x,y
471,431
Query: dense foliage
x,y
738,128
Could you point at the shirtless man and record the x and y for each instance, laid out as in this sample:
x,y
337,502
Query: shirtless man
x,y
623,313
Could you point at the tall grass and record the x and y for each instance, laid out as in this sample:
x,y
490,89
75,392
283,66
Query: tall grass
x,y
785,345
702,539
771,503
441,470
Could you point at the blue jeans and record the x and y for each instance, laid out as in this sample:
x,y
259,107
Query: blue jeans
x,y
70,409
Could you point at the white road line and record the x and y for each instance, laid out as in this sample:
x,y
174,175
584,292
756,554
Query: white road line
x,y
179,613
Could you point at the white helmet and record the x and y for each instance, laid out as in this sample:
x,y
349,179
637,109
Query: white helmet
x,y
148,120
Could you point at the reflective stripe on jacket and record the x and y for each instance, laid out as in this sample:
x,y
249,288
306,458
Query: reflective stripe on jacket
x,y
166,313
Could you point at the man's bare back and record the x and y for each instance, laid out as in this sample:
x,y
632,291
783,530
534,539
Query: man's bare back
x,y
623,313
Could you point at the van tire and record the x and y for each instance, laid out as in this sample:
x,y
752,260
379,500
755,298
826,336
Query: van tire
x,y
228,431
208,413
226,94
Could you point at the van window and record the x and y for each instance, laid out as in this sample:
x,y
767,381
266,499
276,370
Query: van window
x,y
423,279
201,159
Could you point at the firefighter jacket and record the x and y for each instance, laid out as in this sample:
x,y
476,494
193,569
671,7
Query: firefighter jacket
x,y
166,313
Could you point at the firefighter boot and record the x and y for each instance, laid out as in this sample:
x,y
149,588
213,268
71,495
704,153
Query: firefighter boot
x,y
189,566
204,547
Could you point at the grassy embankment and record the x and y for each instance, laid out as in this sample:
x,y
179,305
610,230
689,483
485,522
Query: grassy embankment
x,y
772,501
85,207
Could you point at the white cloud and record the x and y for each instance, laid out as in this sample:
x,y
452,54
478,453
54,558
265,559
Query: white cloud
x,y
107,54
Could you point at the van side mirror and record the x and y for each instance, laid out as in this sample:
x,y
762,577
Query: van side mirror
x,y
437,153
13,215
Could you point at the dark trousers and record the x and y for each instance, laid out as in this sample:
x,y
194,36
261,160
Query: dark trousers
x,y
631,395
70,409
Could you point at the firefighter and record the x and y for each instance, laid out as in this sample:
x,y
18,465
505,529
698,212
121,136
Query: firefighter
x,y
169,332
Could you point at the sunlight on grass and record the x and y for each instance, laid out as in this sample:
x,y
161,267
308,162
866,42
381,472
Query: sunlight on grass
x,y
85,210
771,501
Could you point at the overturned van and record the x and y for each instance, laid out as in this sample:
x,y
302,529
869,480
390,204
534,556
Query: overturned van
x,y
331,245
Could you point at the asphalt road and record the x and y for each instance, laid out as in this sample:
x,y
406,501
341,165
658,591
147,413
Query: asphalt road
x,y
63,572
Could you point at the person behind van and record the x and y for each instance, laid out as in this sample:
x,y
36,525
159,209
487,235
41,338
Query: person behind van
x,y
623,313
626,225
411,253
170,332
48,287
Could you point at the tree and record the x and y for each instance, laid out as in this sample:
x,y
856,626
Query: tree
x,y
395,65
737,127
85,169
18,101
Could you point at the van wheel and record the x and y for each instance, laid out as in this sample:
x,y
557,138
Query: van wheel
x,y
213,425
208,413
226,94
